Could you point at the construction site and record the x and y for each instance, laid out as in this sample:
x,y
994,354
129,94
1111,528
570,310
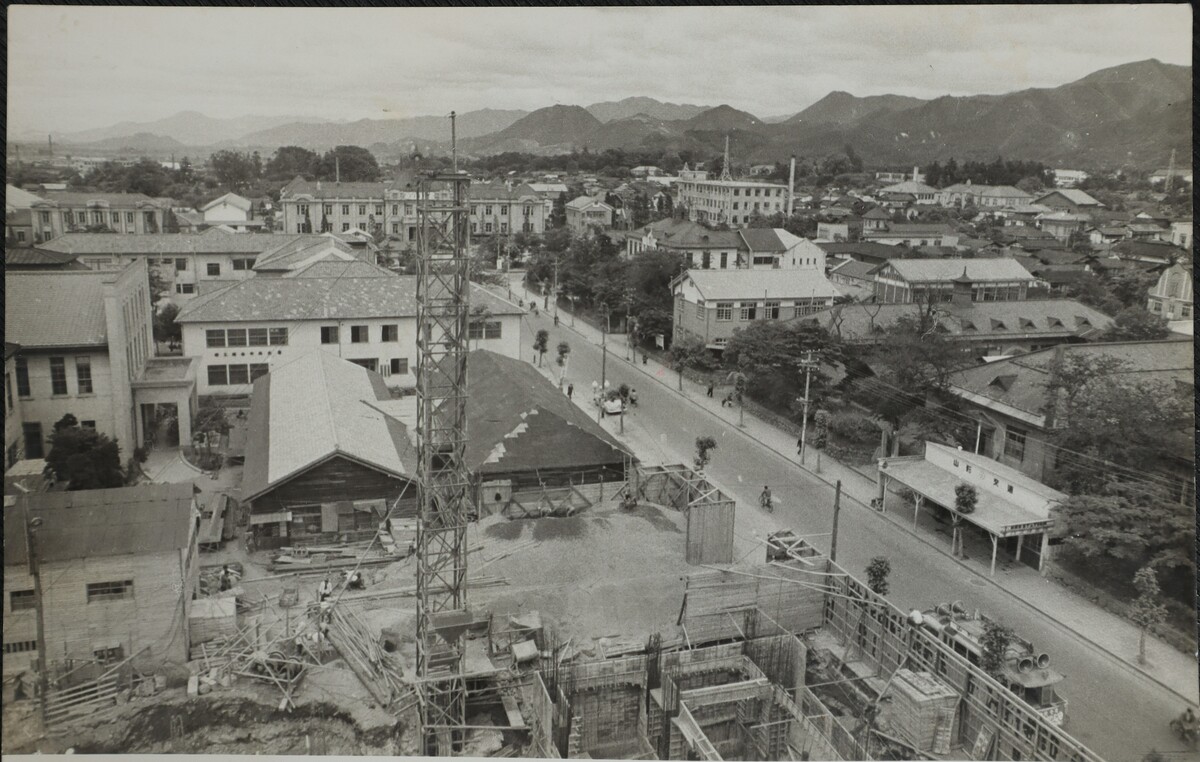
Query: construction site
x,y
630,624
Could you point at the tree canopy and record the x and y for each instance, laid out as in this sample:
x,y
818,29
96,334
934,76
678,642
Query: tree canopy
x,y
84,457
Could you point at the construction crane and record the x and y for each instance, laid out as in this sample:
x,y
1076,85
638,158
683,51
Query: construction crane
x,y
444,496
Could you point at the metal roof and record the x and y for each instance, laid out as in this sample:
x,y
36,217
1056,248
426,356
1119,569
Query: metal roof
x,y
977,269
762,284
213,241
56,308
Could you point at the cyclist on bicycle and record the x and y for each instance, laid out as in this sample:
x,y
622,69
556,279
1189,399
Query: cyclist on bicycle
x,y
765,500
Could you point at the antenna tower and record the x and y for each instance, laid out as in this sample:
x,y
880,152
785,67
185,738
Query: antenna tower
x,y
443,489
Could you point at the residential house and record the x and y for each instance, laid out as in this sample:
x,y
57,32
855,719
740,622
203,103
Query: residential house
x,y
1020,215
1181,233
776,248
909,190
86,349
549,193
118,570
1150,255
1106,234
710,305
241,332
702,247
730,202
1009,399
586,213
187,263
913,234
14,447
1063,225
854,278
231,211
863,251
64,212
875,219
1172,297
1069,200
991,329
323,458
994,279
1068,178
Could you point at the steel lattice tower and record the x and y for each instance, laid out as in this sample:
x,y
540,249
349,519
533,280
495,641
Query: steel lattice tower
x,y
443,481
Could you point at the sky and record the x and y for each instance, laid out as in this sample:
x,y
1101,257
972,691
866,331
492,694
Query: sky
x,y
73,68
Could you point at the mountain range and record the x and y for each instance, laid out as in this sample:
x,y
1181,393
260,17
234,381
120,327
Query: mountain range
x,y
1133,114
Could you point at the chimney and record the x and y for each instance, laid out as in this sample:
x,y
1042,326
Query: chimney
x,y
791,187
916,173
961,295
1050,410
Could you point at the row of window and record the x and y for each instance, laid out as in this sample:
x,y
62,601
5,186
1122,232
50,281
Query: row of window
x,y
409,211
97,217
58,377
228,375
397,366
360,334
106,655
770,309
246,337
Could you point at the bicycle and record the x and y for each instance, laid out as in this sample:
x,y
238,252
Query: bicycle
x,y
766,502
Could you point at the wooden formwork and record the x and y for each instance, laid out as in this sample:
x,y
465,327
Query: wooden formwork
x,y
723,605
710,512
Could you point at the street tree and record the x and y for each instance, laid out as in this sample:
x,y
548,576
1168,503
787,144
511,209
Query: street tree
x,y
211,422
166,329
772,354
1148,610
965,500
1136,324
540,344
564,351
84,457
877,575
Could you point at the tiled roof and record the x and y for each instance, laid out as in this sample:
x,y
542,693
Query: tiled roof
x,y
1074,195
24,256
233,199
916,228
499,192
1040,317
852,268
316,407
211,242
112,200
19,199
868,249
877,214
292,254
339,268
762,284
334,190
148,518
977,269
683,234
322,298
908,186
1024,387
55,308
585,202
1003,191
762,239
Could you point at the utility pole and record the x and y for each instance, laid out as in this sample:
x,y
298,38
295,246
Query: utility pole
x,y
791,188
808,366
556,289
31,527
628,345
837,509
1170,174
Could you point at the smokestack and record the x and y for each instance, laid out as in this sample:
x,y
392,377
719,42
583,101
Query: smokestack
x,y
50,138
791,186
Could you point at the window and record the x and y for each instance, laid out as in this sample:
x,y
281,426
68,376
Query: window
x,y
390,333
129,217
1014,443
218,375
379,210
45,218
20,236
185,288
329,334
302,209
239,374
257,337
22,377
109,591
487,227
771,311
700,310
395,209
81,217
475,330
278,337
258,369
358,334
503,227
749,310
32,433
20,647
345,226
214,337
370,363
399,365
362,210
724,310
408,209
83,374
327,209
21,600
213,268
346,209
487,209
236,337
109,654
58,375
243,263
395,227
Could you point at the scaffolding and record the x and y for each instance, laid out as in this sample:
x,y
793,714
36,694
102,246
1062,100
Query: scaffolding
x,y
444,492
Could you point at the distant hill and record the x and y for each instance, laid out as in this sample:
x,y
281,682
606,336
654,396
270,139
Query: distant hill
x,y
627,108
140,142
723,118
558,127
190,128
843,108
318,135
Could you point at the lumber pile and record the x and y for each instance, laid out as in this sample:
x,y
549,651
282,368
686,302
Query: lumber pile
x,y
212,619
375,669
923,709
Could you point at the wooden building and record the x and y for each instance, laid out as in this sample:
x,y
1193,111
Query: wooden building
x,y
118,569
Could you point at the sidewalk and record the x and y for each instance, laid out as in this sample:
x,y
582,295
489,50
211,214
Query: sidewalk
x,y
1118,637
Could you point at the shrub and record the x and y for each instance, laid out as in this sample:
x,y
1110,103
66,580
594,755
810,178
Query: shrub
x,y
853,427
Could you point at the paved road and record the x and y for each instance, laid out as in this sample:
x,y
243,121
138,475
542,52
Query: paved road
x,y
1118,714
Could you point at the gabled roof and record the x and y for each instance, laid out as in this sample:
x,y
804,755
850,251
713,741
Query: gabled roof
x,y
341,268
500,192
908,186
56,308
877,214
586,202
232,199
213,241
1002,191
760,284
24,257
867,249
763,240
1021,387
302,251
320,298
977,269
852,268
110,200
314,408
685,234
85,524
16,198
1074,195
977,321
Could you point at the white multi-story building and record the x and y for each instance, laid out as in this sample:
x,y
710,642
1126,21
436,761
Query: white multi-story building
x,y
497,209
62,212
239,333
732,202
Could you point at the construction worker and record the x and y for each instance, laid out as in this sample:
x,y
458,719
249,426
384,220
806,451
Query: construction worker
x,y
354,580
325,591
226,582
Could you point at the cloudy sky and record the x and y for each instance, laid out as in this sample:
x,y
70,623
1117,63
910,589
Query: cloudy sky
x,y
72,68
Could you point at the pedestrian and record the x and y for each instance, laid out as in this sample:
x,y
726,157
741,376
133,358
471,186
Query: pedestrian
x,y
709,392
226,579
556,321
799,446
645,358
325,591
633,397
570,391
728,401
